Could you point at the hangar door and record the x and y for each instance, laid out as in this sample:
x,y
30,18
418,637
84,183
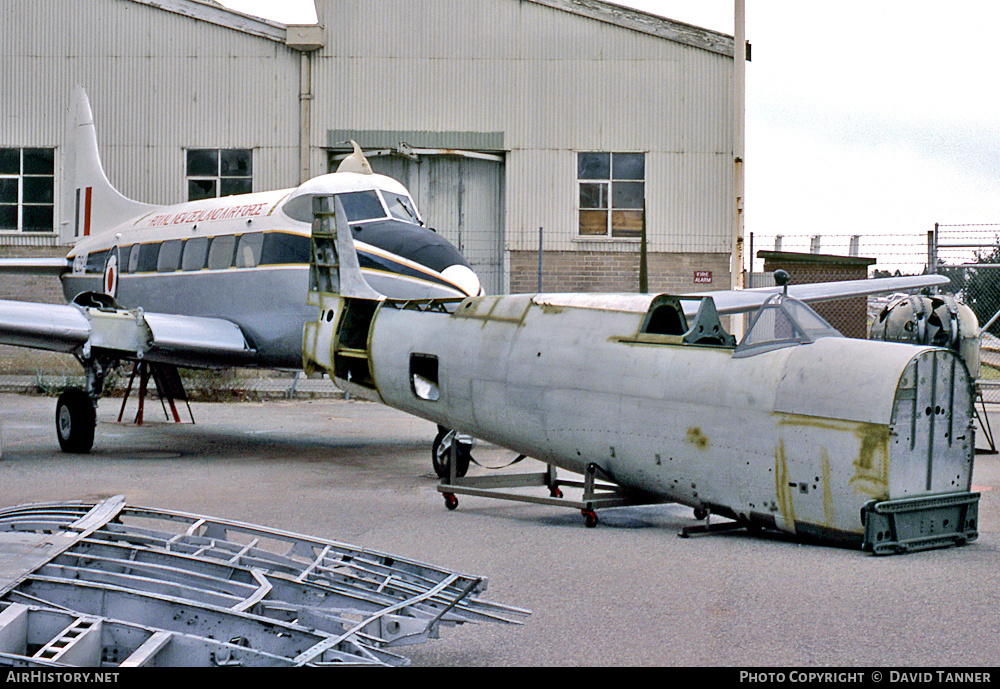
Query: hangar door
x,y
461,196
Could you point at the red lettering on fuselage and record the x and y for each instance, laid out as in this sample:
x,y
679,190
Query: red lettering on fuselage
x,y
208,214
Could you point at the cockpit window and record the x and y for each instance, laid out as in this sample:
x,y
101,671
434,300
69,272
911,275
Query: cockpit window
x,y
783,322
400,207
359,206
362,205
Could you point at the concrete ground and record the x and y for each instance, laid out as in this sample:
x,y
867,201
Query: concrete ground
x,y
628,592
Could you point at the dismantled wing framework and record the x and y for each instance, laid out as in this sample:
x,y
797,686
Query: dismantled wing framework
x,y
105,584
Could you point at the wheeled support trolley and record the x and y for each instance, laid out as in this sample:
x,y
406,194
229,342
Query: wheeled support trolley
x,y
598,489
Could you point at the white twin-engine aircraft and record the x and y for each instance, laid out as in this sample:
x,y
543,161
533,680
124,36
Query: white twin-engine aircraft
x,y
217,282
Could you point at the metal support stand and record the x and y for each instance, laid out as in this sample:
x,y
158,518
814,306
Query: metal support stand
x,y
984,423
709,528
598,489
169,388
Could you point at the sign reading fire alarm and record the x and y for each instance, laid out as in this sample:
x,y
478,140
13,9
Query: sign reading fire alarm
x,y
702,276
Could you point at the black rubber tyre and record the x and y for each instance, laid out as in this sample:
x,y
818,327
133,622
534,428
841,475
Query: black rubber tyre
x,y
441,457
75,421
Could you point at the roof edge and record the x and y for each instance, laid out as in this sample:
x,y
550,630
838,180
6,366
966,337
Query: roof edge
x,y
795,257
637,20
214,13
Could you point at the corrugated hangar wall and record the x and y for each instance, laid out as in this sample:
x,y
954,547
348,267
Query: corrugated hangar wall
x,y
546,78
158,82
552,82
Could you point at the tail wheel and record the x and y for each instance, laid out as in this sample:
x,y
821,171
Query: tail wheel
x,y
75,421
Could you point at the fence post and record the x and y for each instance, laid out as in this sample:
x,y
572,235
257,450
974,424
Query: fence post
x,y
932,237
539,259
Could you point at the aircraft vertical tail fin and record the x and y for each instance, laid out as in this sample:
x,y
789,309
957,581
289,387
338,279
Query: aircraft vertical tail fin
x,y
90,204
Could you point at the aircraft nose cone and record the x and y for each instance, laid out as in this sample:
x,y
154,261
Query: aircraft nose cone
x,y
464,278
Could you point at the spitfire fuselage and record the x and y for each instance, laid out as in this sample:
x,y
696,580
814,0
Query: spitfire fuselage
x,y
794,435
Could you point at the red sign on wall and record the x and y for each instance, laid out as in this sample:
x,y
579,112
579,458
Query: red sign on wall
x,y
703,276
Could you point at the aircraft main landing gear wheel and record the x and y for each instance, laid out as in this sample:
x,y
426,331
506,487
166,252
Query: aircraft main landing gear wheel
x,y
700,513
441,454
75,421
450,501
589,518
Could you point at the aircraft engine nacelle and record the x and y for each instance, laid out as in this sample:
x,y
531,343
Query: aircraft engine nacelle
x,y
937,320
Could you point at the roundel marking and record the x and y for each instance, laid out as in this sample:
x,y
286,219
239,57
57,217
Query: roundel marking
x,y
111,275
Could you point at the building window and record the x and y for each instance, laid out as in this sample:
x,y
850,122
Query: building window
x,y
612,190
213,172
27,189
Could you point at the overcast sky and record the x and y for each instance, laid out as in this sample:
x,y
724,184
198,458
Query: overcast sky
x,y
869,117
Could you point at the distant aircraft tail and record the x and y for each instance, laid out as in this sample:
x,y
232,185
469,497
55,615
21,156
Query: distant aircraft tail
x,y
90,204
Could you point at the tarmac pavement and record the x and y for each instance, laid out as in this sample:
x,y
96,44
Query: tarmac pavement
x,y
626,593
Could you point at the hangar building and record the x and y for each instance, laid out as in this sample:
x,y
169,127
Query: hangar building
x,y
511,121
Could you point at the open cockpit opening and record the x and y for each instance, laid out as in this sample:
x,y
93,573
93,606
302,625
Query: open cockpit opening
x,y
666,322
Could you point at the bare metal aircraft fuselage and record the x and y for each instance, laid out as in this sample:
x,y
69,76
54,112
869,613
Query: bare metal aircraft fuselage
x,y
795,428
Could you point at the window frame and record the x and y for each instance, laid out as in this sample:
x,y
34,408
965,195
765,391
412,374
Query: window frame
x,y
220,176
25,177
603,189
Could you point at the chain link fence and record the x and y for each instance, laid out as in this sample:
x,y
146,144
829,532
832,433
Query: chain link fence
x,y
968,254
843,257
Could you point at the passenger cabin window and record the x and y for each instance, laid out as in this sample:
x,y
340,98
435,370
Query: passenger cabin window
x,y
132,265
220,253
124,258
281,248
170,256
248,250
148,255
195,252
95,261
213,172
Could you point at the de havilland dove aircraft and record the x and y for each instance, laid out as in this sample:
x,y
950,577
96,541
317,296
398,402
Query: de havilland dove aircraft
x,y
794,428
212,283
